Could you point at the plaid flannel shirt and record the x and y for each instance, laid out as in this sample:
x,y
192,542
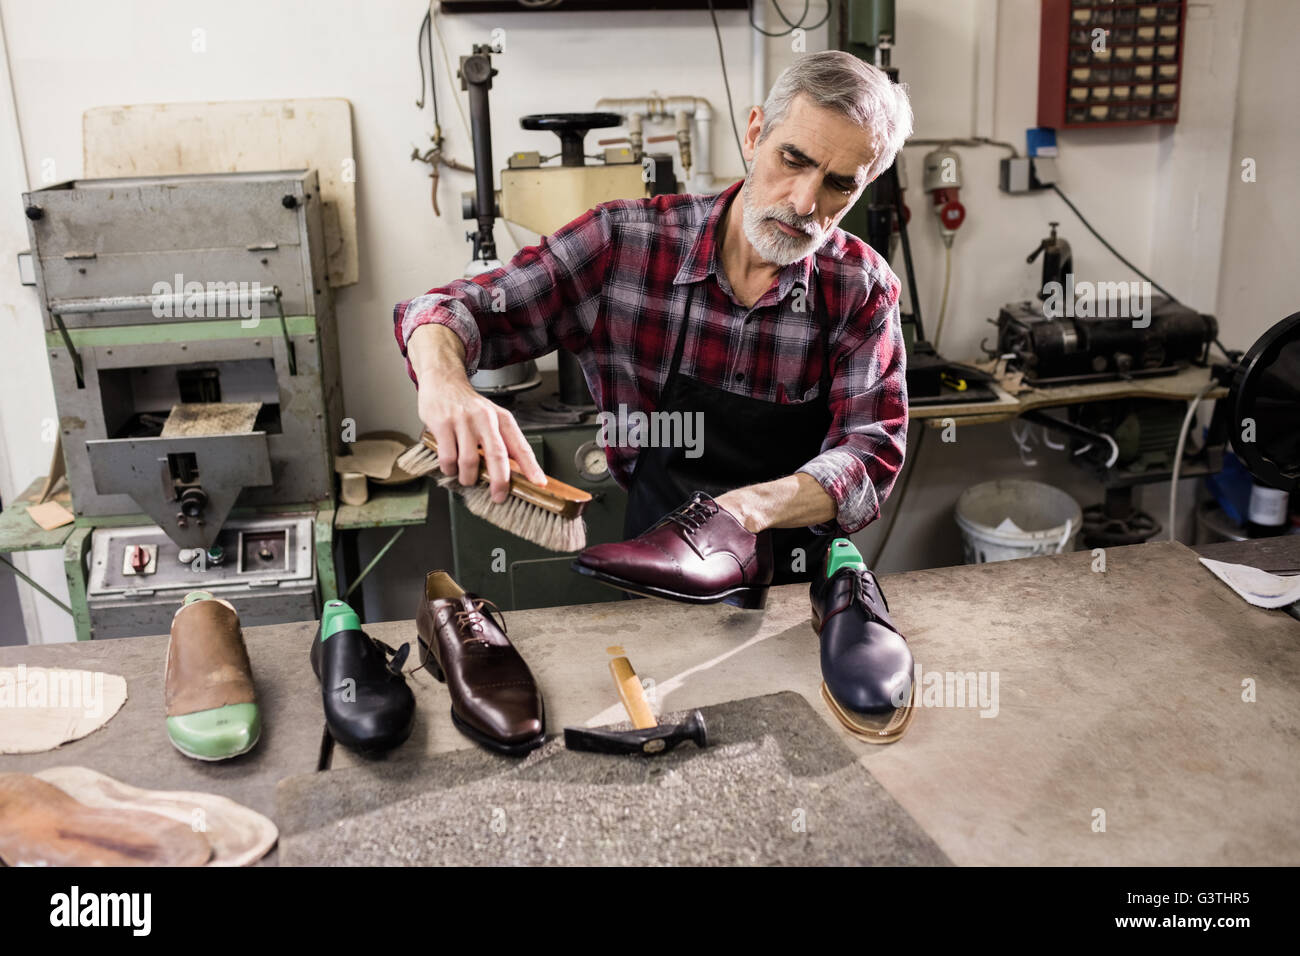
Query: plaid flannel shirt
x,y
610,287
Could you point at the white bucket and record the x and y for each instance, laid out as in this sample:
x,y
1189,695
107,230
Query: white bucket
x,y
1001,520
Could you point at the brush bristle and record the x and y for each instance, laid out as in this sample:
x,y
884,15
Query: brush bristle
x,y
541,527
418,460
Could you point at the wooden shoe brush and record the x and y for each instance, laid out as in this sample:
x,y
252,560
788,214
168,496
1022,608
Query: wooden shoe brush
x,y
550,515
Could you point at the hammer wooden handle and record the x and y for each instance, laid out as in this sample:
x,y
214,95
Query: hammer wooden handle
x,y
629,688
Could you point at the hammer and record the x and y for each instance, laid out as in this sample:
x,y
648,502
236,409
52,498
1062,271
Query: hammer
x,y
648,737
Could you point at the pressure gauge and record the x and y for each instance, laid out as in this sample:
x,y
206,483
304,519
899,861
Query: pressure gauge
x,y
590,461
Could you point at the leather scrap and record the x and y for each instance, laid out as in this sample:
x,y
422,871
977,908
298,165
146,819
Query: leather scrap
x,y
42,708
238,836
40,825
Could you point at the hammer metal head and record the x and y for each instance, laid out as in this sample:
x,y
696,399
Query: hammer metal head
x,y
649,741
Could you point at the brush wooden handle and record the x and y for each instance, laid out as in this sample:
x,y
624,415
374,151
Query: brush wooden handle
x,y
555,496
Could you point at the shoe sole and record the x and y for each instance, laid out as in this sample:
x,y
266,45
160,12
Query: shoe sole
x,y
868,732
428,660
747,598
230,756
861,726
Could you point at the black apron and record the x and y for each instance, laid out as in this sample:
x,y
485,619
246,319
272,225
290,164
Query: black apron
x,y
746,441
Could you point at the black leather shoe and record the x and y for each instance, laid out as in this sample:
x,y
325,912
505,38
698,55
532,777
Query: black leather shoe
x,y
368,706
866,663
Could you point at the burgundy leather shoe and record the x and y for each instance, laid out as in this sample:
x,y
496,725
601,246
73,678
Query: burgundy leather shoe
x,y
697,553
494,698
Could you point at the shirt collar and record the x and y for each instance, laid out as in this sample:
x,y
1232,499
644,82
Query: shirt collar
x,y
702,258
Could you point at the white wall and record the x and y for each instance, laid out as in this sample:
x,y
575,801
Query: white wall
x,y
1259,284
26,394
71,55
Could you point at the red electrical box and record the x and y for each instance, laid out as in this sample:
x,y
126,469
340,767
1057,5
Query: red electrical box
x,y
1110,63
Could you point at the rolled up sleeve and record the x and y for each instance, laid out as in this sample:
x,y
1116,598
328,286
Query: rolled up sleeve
x,y
864,449
543,299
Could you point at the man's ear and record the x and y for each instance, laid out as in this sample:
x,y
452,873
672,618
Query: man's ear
x,y
753,129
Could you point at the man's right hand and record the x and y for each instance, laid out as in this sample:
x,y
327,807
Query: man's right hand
x,y
461,419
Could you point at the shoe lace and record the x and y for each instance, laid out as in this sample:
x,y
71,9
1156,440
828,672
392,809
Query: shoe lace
x,y
471,621
863,582
693,515
396,655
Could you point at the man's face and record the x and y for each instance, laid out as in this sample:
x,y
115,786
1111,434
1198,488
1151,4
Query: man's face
x,y
807,173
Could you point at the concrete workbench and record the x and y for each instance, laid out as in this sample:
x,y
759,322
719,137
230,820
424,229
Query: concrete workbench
x,y
1116,733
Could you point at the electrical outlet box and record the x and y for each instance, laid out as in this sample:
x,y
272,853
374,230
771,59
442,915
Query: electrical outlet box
x,y
1013,174
1042,172
1025,174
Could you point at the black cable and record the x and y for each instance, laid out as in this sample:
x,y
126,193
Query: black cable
x,y
426,34
731,107
781,13
433,78
792,26
433,82
1231,355
758,29
419,55
1113,251
799,25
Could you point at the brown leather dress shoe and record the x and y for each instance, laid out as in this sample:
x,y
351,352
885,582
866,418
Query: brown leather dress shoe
x,y
698,553
494,699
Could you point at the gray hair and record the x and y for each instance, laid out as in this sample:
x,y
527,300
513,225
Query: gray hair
x,y
842,82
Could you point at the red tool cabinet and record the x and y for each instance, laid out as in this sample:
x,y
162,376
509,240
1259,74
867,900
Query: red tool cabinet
x,y
1110,63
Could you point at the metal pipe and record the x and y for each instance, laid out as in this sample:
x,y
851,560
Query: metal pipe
x,y
701,177
174,301
375,560
476,77
15,570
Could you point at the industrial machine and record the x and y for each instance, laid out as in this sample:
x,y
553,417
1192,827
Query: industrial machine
x,y
191,342
1070,350
1075,333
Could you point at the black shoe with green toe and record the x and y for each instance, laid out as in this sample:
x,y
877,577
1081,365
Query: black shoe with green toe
x,y
368,705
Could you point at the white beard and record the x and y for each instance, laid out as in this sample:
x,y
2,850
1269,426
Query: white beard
x,y
772,244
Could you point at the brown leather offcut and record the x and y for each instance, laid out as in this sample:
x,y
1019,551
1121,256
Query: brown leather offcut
x,y
40,825
207,663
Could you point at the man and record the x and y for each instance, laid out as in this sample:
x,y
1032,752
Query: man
x,y
777,328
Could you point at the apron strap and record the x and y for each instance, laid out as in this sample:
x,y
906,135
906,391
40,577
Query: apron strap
x,y
821,316
681,344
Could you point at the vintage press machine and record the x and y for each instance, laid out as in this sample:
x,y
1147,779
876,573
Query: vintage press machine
x,y
206,292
